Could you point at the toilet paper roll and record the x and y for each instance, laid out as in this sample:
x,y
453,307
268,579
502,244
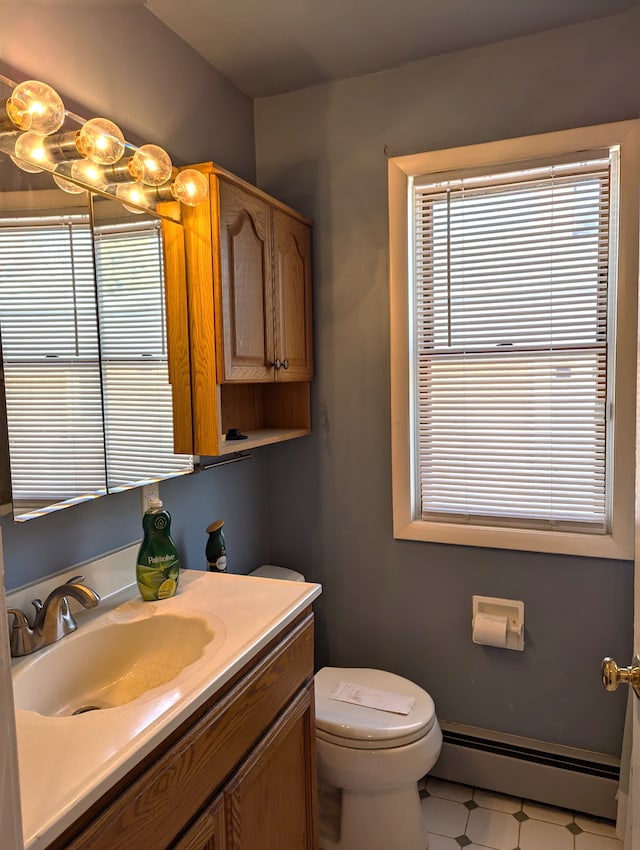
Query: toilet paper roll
x,y
490,630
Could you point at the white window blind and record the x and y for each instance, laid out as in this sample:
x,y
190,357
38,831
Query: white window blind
x,y
137,394
88,405
512,340
51,359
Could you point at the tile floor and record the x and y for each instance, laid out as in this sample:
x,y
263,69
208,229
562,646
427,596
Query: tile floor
x,y
456,816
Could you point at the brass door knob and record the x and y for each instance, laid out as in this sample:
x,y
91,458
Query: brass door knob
x,y
612,675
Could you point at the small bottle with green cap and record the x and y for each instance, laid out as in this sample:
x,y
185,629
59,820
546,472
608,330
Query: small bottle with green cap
x,y
216,550
158,566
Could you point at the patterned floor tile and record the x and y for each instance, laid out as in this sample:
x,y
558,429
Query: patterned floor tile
x,y
547,813
458,817
540,835
494,829
449,790
499,802
596,826
588,841
444,817
441,842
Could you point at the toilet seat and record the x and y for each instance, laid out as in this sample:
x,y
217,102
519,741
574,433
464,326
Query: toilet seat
x,y
361,727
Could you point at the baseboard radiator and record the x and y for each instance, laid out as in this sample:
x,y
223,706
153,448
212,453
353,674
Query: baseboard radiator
x,y
551,774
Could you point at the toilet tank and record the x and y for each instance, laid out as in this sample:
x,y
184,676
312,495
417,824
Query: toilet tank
x,y
271,571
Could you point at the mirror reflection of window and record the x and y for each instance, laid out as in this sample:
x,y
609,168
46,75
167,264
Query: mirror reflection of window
x,y
51,359
84,347
133,344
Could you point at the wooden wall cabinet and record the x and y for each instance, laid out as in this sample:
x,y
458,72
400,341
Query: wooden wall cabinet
x,y
239,775
248,305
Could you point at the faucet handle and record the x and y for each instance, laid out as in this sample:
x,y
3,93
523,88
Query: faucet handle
x,y
20,618
20,634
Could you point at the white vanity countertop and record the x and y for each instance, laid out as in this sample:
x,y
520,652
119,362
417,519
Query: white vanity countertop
x,y
67,763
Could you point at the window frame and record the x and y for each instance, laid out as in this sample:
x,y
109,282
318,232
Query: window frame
x,y
618,542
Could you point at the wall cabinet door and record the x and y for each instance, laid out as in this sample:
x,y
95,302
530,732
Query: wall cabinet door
x,y
292,298
264,291
270,804
244,294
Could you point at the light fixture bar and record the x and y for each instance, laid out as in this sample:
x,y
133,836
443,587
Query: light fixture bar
x,y
40,135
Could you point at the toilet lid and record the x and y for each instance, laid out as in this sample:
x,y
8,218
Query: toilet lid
x,y
359,726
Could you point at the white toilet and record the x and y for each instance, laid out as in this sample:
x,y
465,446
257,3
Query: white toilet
x,y
369,760
375,758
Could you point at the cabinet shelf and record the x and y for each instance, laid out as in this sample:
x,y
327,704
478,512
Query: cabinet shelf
x,y
263,437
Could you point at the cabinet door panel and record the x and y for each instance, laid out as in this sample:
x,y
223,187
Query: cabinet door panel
x,y
292,265
270,804
244,290
207,833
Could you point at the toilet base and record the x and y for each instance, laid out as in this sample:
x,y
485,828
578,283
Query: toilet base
x,y
379,821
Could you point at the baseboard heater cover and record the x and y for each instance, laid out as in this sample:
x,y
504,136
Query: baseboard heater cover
x,y
568,778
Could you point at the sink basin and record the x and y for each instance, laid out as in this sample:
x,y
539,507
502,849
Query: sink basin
x,y
108,664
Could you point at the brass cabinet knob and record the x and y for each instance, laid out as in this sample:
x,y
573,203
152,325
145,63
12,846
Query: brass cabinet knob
x,y
612,675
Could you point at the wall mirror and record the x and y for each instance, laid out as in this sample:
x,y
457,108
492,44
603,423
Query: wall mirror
x,y
84,347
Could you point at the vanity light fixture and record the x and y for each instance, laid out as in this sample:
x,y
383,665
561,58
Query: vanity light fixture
x,y
189,186
150,165
100,141
68,185
89,155
40,102
29,153
132,193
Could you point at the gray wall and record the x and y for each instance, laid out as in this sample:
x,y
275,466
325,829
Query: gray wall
x,y
122,62
401,605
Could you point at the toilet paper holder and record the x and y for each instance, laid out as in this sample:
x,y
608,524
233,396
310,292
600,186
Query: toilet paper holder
x,y
512,609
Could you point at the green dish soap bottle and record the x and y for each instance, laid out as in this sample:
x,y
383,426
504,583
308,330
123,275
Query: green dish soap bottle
x,y
158,566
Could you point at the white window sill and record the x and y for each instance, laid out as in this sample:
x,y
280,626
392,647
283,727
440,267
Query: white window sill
x,y
528,540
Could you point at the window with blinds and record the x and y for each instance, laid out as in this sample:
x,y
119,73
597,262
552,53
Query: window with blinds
x,y
87,392
512,339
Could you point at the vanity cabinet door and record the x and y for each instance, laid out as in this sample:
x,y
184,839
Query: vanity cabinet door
x,y
292,295
270,803
207,833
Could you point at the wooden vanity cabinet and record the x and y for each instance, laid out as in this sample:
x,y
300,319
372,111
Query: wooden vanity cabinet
x,y
239,775
248,283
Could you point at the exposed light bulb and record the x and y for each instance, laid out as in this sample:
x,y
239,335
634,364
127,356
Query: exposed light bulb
x,y
87,172
132,193
42,103
19,115
30,155
25,166
101,141
67,185
150,165
190,187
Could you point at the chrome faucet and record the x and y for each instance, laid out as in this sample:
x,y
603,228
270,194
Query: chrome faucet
x,y
53,619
